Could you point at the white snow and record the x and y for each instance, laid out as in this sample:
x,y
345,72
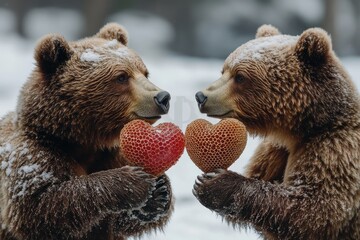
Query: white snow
x,y
111,44
122,52
34,177
9,157
28,168
6,148
4,165
8,170
22,185
46,175
255,49
90,56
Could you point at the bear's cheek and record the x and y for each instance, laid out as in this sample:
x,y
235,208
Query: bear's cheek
x,y
112,109
121,108
250,98
243,95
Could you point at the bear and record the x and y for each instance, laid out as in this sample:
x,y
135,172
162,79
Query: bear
x,y
62,172
303,180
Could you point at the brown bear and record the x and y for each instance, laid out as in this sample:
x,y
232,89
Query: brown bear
x,y
62,173
303,181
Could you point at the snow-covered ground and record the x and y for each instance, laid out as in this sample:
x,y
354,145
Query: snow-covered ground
x,y
182,77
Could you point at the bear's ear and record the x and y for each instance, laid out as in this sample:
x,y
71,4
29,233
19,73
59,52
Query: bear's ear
x,y
114,31
52,52
313,46
267,30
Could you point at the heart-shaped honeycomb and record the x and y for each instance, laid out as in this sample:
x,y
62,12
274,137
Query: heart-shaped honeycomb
x,y
155,149
215,146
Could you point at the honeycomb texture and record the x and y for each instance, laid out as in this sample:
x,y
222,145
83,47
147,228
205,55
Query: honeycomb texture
x,y
215,146
155,149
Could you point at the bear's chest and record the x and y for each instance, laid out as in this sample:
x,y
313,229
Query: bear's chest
x,y
87,162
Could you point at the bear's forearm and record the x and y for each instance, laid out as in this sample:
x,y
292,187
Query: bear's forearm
x,y
276,209
252,199
75,206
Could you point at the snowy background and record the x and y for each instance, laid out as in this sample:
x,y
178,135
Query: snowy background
x,y
181,75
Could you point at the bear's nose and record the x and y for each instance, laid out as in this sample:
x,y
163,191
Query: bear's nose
x,y
201,99
162,100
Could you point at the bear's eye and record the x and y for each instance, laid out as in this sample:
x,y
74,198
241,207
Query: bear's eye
x,y
239,78
122,78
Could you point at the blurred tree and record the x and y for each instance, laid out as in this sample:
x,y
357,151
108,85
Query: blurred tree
x,y
95,14
330,20
184,16
356,8
180,14
19,8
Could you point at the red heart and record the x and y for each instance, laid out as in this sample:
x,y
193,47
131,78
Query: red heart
x,y
215,146
155,149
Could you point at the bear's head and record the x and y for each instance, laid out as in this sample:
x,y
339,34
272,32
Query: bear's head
x,y
281,84
85,91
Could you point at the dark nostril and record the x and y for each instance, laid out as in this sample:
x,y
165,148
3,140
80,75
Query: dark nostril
x,y
162,100
163,97
200,98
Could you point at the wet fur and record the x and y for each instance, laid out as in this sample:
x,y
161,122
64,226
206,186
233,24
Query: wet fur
x,y
62,173
303,180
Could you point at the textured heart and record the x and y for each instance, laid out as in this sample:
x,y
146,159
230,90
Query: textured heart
x,y
215,146
155,149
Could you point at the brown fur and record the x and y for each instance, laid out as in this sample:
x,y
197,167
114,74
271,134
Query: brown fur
x,y
62,174
303,180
